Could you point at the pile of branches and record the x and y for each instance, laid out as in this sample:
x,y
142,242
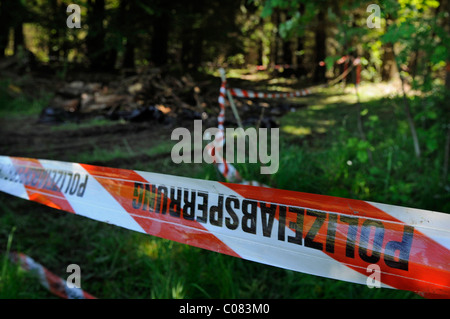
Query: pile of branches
x,y
151,95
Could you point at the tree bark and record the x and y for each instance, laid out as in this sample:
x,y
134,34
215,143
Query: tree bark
x,y
160,38
4,29
95,39
275,39
447,75
18,38
389,68
409,116
128,59
286,46
320,39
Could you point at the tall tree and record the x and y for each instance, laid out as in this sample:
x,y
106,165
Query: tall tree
x,y
5,24
100,56
161,30
12,16
320,46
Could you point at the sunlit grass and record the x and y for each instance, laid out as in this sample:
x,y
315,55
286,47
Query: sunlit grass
x,y
297,130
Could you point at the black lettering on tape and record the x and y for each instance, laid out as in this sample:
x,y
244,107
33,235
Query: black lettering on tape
x,y
232,222
364,240
146,197
42,179
48,184
315,227
402,247
161,203
82,187
203,207
20,172
185,201
189,205
137,195
249,216
281,222
29,177
63,181
267,217
175,201
351,234
331,232
13,175
76,180
35,179
297,226
70,181
216,212
56,181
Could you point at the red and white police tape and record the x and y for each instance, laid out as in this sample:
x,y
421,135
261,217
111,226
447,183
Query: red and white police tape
x,y
348,60
316,234
49,280
266,95
228,171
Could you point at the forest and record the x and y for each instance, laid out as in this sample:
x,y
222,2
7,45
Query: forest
x,y
113,36
106,82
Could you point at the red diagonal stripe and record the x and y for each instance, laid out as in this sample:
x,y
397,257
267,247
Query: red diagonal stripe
x,y
55,199
429,263
120,184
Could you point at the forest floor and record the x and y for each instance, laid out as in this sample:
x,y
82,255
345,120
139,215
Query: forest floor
x,y
117,263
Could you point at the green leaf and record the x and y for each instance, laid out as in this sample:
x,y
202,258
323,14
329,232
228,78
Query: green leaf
x,y
362,156
266,11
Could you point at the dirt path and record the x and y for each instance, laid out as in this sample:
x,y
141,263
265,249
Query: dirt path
x,y
27,138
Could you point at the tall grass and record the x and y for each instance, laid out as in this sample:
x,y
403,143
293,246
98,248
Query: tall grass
x,y
326,157
13,103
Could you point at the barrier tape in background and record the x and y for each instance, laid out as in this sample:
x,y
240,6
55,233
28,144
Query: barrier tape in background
x,y
315,234
348,60
265,95
49,280
215,148
228,171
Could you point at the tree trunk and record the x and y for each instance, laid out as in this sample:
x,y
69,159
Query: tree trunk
x,y
95,39
389,68
18,38
286,46
447,76
446,25
198,49
55,38
5,24
320,39
125,20
260,52
128,59
160,38
275,39
287,52
409,116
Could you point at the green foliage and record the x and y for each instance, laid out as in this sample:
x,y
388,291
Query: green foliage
x,y
414,28
337,163
14,103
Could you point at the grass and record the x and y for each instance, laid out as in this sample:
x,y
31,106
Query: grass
x,y
16,104
85,124
320,152
117,263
